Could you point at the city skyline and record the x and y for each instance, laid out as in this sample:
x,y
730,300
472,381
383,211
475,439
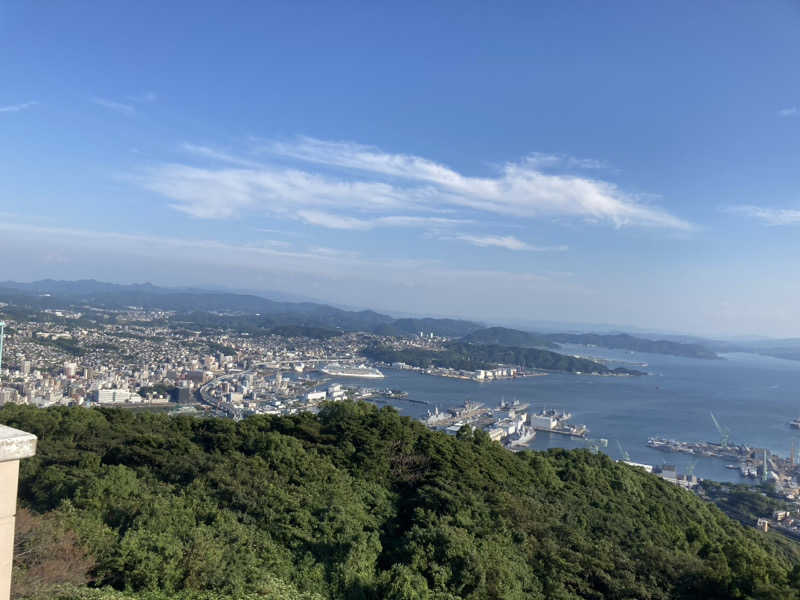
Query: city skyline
x,y
522,166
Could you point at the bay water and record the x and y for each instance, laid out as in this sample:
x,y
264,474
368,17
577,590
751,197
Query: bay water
x,y
753,396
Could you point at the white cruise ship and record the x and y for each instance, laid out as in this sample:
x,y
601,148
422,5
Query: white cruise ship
x,y
337,370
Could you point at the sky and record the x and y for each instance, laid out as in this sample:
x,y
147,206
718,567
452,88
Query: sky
x,y
626,163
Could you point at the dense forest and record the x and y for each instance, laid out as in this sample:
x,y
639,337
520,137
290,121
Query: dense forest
x,y
503,336
358,503
470,357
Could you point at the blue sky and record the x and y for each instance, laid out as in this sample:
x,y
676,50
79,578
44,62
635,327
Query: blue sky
x,y
627,163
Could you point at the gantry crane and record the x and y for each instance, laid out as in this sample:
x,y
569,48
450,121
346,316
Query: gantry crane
x,y
594,445
724,433
623,453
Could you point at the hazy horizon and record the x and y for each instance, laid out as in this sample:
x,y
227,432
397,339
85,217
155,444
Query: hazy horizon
x,y
540,325
628,164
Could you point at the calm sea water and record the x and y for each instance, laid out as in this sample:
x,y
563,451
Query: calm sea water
x,y
753,396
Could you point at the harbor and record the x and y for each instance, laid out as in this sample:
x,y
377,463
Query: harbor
x,y
508,423
673,403
751,462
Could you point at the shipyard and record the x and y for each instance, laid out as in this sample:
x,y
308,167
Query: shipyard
x,y
751,462
509,423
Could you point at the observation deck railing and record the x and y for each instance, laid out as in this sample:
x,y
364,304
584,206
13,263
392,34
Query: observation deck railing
x,y
14,446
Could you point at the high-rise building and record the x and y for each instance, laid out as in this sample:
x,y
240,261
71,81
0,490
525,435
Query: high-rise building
x,y
8,396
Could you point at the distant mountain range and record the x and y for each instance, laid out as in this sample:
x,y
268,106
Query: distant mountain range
x,y
253,312
622,341
503,336
250,309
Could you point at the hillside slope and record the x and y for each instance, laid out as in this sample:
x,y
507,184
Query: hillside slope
x,y
362,503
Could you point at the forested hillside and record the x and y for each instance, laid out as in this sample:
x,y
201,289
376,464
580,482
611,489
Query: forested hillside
x,y
470,357
360,503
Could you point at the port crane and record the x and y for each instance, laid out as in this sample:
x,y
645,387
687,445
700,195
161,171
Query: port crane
x,y
623,453
725,433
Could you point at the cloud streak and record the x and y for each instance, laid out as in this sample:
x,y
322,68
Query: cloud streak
x,y
350,186
333,221
508,242
768,216
119,107
17,107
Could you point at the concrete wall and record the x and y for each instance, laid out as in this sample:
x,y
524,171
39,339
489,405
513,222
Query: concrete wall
x,y
14,445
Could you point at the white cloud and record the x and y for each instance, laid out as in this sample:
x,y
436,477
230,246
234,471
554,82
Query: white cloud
x,y
360,179
124,109
332,221
509,242
521,189
414,221
769,216
323,219
17,107
791,111
227,192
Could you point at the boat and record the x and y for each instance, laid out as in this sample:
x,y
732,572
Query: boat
x,y
469,409
795,423
566,429
521,437
553,421
337,370
554,414
435,418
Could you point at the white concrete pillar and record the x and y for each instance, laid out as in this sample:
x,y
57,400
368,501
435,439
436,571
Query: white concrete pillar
x,y
14,445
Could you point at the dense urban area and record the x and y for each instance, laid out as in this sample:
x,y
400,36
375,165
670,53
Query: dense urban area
x,y
149,359
140,361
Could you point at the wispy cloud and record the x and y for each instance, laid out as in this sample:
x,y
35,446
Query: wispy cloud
x,y
17,107
333,221
124,109
541,160
768,216
790,111
335,274
509,242
213,154
145,97
358,184
323,219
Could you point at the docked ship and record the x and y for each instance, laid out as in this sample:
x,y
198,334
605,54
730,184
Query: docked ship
x,y
337,370
468,410
554,421
434,418
523,436
710,449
